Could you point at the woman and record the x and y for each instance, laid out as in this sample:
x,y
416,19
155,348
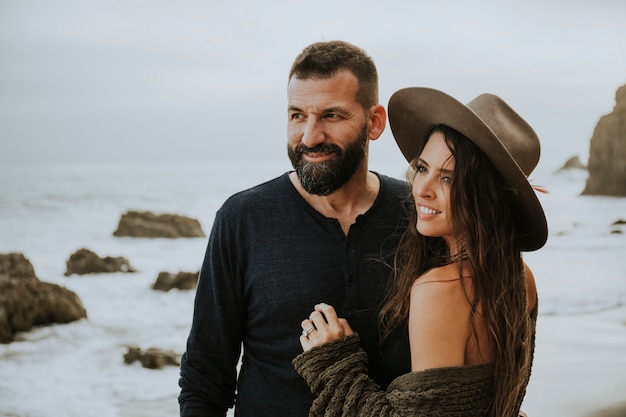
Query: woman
x,y
458,327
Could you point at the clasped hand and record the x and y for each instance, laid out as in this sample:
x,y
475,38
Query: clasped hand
x,y
323,326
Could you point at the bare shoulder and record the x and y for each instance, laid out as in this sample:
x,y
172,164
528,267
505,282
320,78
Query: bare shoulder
x,y
442,288
439,318
531,287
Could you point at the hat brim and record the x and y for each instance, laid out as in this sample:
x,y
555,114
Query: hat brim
x,y
412,114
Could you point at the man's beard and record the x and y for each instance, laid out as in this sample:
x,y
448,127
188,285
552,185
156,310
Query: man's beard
x,y
324,178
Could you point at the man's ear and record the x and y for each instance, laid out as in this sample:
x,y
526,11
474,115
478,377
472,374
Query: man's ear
x,y
377,121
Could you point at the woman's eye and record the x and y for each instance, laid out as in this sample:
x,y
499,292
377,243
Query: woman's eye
x,y
446,179
420,168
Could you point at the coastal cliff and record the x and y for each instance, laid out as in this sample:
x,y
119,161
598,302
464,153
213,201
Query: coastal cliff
x,y
607,152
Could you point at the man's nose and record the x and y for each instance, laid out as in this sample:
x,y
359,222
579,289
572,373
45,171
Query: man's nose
x,y
313,133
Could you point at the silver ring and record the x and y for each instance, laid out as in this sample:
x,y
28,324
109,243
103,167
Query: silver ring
x,y
306,332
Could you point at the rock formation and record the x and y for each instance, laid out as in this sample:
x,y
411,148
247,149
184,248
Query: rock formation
x,y
607,152
152,358
572,163
15,265
84,261
183,281
25,301
148,224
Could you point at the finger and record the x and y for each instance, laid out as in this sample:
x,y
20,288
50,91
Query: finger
x,y
305,343
307,328
347,330
306,324
334,329
318,320
328,311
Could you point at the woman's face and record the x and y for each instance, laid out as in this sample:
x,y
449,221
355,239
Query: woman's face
x,y
431,189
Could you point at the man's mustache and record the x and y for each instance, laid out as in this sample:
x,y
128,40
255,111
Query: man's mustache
x,y
322,147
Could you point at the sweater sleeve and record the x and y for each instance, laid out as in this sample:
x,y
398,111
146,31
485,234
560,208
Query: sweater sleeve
x,y
337,375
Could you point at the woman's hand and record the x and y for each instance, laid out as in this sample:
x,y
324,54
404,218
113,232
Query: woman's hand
x,y
323,326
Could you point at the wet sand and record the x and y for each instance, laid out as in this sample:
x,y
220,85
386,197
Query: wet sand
x,y
580,366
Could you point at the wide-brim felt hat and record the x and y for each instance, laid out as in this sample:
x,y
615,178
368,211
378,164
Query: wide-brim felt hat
x,y
507,140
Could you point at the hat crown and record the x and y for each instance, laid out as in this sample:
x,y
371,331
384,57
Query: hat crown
x,y
517,136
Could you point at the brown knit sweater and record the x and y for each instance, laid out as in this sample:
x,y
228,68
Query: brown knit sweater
x,y
337,375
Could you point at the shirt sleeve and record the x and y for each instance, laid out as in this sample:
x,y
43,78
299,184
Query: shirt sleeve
x,y
208,372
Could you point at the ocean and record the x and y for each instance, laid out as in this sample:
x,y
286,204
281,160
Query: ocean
x,y
47,212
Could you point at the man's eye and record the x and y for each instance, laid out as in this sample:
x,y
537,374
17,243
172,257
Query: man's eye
x,y
295,116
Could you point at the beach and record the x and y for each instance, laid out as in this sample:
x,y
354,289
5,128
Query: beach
x,y
48,212
580,365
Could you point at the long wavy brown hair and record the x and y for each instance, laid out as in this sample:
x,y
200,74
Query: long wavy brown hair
x,y
485,230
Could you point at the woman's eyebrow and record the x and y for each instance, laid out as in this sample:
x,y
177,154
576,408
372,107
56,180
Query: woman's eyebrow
x,y
441,170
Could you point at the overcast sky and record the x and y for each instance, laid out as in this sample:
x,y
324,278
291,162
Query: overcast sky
x,y
187,80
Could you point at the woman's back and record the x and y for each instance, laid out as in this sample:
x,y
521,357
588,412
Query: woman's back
x,y
441,330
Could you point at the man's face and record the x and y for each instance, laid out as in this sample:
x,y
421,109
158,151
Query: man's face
x,y
328,131
325,177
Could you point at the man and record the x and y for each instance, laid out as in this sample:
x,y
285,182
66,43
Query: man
x,y
325,232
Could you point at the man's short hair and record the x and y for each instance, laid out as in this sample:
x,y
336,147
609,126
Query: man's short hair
x,y
322,60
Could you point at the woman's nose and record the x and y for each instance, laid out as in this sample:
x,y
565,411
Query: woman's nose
x,y
422,186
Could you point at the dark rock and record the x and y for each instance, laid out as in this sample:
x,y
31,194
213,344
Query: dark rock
x,y
152,358
84,261
148,224
607,152
132,355
182,281
25,301
15,265
619,222
572,163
